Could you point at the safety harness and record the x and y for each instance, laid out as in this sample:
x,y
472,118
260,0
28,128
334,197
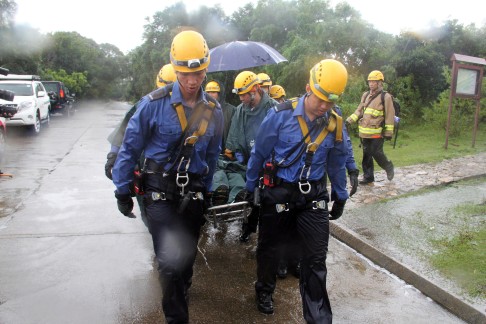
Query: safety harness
x,y
332,124
202,114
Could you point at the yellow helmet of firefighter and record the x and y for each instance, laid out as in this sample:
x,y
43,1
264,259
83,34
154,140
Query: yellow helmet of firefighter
x,y
166,76
328,79
265,80
189,52
376,76
212,86
244,82
276,91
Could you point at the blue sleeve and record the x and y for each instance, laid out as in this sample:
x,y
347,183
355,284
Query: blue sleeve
x,y
350,162
214,148
336,170
132,147
265,141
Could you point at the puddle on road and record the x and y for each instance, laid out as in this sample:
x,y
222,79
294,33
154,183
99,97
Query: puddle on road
x,y
404,227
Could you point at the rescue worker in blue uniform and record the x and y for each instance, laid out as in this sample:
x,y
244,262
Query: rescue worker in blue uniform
x,y
180,133
166,76
297,149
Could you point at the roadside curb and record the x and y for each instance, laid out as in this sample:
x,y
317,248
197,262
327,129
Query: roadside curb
x,y
449,301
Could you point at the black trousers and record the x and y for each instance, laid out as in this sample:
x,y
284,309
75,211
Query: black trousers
x,y
175,237
310,229
373,150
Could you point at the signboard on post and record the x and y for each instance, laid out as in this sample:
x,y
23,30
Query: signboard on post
x,y
466,83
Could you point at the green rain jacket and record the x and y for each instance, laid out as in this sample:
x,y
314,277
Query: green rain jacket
x,y
228,112
245,125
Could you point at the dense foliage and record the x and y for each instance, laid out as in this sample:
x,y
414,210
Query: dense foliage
x,y
416,66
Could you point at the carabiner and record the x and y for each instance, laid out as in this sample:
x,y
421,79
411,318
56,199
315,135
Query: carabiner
x,y
186,166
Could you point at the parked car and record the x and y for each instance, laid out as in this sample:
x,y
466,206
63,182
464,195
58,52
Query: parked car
x,y
61,100
3,138
31,104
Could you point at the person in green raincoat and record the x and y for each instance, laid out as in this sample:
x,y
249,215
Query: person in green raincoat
x,y
213,88
229,180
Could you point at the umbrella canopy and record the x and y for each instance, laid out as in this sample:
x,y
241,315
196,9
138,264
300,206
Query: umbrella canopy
x,y
239,55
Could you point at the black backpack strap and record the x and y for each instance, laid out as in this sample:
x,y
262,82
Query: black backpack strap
x,y
160,92
286,105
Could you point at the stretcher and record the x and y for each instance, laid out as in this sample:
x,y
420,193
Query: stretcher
x,y
228,213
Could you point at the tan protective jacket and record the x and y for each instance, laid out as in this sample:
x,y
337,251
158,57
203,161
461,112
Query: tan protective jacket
x,y
371,116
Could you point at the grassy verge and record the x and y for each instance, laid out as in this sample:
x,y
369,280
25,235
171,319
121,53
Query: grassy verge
x,y
419,144
463,258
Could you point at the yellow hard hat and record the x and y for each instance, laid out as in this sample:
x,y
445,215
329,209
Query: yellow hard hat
x,y
244,82
328,79
276,91
189,52
212,86
264,79
376,76
166,76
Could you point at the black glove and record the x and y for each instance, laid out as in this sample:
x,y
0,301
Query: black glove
x,y
250,198
387,138
353,181
348,125
110,162
208,201
125,204
337,209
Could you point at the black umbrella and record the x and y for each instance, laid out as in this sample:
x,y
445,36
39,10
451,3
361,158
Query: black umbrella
x,y
239,55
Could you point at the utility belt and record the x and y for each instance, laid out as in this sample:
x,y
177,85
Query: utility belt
x,y
160,185
284,196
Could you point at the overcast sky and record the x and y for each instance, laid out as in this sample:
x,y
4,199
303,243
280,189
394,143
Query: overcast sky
x,y
121,23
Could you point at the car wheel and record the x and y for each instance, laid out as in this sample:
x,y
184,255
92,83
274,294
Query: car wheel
x,y
47,120
37,124
3,144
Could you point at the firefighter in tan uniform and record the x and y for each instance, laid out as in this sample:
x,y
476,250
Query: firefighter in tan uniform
x,y
375,123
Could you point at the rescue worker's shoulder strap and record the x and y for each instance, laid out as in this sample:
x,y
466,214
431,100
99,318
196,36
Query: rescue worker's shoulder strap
x,y
286,105
160,92
338,128
383,94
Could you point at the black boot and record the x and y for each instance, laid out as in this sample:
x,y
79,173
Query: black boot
x,y
296,270
245,233
264,302
390,172
282,270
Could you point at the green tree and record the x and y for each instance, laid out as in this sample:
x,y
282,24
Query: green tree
x,y
104,65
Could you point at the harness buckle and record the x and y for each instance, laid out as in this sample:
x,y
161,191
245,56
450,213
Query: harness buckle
x,y
191,140
321,204
281,207
305,187
158,196
312,147
184,177
197,196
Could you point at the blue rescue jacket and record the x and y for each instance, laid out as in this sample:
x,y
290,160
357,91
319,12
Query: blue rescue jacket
x,y
279,133
156,130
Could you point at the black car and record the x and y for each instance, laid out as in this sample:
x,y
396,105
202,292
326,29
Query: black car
x,y
61,100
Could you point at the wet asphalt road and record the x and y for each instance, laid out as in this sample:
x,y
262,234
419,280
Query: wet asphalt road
x,y
68,256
